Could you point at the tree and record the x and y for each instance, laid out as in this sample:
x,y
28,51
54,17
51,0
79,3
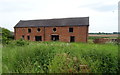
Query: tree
x,y
6,35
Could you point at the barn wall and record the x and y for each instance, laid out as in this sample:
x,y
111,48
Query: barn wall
x,y
80,33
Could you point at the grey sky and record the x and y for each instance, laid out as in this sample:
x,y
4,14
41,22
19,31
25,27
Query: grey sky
x,y
103,13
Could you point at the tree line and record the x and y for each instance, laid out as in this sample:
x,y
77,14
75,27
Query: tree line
x,y
105,33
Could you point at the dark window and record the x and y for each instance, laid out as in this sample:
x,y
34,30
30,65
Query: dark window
x,y
55,37
29,30
72,38
70,29
38,29
22,36
54,29
38,38
23,30
28,37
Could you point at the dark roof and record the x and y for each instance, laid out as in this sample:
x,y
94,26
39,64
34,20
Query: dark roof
x,y
54,22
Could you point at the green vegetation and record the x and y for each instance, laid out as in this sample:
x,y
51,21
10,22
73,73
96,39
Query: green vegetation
x,y
99,33
0,50
6,35
93,37
0,58
58,57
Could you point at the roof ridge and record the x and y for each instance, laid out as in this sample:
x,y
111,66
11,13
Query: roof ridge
x,y
55,18
76,21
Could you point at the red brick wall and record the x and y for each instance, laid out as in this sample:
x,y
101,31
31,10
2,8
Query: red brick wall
x,y
80,33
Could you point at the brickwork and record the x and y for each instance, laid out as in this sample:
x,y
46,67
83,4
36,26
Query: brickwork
x,y
80,33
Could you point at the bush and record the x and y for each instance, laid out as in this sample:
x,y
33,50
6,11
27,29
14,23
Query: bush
x,y
6,36
21,42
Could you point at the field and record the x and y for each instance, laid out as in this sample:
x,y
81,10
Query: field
x,y
58,57
103,35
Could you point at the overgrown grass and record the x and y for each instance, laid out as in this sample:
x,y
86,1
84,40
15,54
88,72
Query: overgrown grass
x,y
0,58
59,57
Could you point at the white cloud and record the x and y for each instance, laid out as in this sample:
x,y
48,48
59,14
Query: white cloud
x,y
102,13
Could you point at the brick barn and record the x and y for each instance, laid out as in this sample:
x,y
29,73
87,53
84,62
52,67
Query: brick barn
x,y
62,29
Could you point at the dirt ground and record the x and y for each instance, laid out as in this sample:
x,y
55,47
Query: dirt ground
x,y
112,35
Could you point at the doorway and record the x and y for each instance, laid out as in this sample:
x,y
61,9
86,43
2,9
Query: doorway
x,y
38,38
72,38
55,37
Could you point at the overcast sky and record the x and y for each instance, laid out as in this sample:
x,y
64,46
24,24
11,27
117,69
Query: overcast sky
x,y
103,13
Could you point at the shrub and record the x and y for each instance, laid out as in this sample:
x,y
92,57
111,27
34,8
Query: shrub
x,y
6,36
21,42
